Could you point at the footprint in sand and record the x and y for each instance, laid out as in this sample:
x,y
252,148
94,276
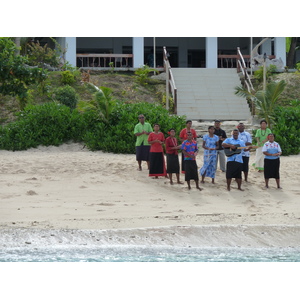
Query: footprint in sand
x,y
31,193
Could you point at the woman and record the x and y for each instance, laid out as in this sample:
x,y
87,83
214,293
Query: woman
x,y
157,161
210,145
183,137
172,156
272,151
261,138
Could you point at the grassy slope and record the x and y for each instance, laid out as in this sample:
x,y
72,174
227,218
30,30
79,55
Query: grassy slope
x,y
124,87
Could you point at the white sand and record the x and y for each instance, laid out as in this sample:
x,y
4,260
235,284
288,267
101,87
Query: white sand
x,y
70,187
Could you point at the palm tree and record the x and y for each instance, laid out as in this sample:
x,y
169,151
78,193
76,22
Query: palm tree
x,y
264,100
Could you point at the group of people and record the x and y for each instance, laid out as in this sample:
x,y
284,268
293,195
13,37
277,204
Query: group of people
x,y
217,146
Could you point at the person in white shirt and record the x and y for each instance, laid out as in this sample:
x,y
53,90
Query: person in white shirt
x,y
272,152
247,138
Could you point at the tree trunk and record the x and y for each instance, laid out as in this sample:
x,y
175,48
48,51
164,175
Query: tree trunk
x,y
290,61
18,44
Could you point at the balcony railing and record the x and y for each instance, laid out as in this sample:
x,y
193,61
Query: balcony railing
x,y
95,60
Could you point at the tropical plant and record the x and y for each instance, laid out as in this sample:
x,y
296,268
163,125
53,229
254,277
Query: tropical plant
x,y
102,103
142,74
40,55
16,75
265,100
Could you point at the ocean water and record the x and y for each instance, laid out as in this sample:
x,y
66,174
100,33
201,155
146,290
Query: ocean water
x,y
147,254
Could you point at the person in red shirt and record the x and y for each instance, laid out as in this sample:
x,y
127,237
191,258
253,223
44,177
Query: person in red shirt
x,y
157,160
183,136
172,156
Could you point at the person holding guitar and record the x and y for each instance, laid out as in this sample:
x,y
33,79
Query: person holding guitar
x,y
247,138
234,161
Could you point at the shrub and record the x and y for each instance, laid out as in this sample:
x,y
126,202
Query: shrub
x,y
67,96
287,128
67,77
46,124
117,136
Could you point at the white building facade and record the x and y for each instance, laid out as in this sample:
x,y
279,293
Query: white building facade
x,y
185,52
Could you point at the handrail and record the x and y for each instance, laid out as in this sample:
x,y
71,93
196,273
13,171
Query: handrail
x,y
170,82
94,59
243,68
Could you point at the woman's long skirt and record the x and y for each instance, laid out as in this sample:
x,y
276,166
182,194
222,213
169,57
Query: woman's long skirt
x,y
271,168
191,170
209,166
157,164
234,169
172,163
259,159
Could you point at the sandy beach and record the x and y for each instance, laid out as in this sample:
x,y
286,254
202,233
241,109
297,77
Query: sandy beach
x,y
72,188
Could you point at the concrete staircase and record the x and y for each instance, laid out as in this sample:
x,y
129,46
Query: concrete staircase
x,y
208,94
202,127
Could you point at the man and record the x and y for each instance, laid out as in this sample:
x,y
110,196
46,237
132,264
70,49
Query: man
x,y
247,138
220,151
183,136
234,162
190,150
141,131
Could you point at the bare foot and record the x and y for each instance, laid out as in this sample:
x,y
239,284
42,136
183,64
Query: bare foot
x,y
228,188
179,182
140,168
171,182
202,181
240,189
199,188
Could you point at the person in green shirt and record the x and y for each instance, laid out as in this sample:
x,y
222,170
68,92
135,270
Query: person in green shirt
x,y
142,147
261,138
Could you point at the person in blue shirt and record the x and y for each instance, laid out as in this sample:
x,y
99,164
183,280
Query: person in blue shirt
x,y
247,138
234,162
272,152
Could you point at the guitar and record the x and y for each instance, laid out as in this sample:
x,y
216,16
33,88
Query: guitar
x,y
229,152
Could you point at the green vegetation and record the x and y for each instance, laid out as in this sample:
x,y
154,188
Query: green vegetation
x,y
287,127
15,74
51,108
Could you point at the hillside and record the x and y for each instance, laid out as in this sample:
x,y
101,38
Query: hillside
x,y
125,87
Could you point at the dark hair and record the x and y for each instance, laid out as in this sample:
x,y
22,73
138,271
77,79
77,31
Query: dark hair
x,y
156,124
263,121
271,134
209,127
235,129
172,129
188,121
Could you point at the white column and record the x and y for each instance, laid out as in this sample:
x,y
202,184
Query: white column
x,y
211,51
138,51
70,45
280,48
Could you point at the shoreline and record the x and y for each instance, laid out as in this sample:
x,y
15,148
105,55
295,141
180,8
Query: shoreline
x,y
203,236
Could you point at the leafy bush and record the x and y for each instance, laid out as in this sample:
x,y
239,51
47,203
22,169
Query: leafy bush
x,y
142,74
39,55
67,77
15,75
46,124
117,136
287,128
67,96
